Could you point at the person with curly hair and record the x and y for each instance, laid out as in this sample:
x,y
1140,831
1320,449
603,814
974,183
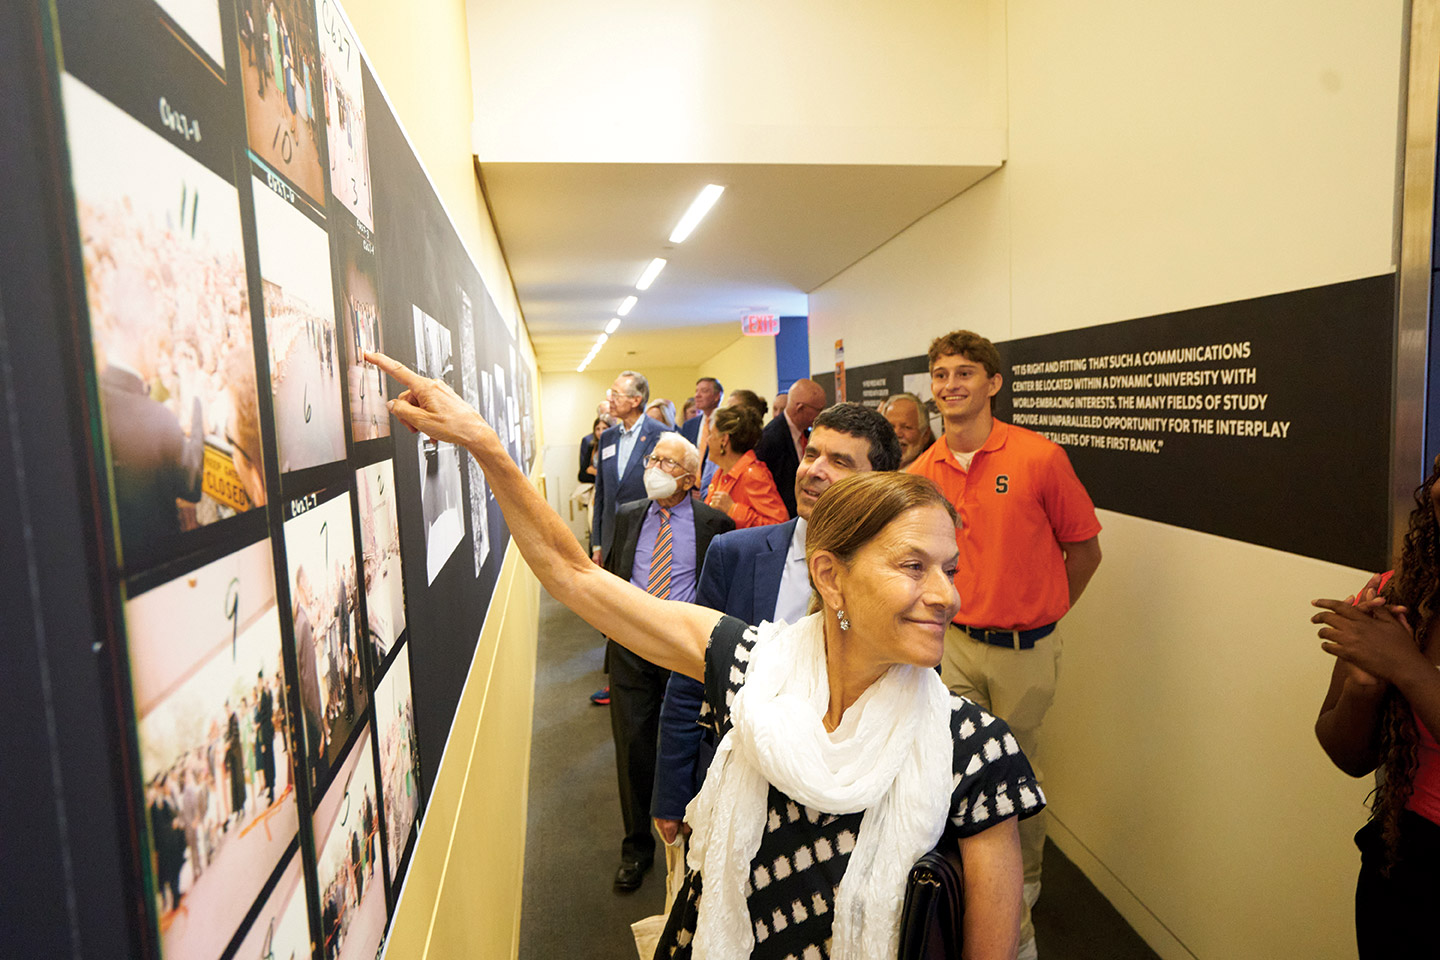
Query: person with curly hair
x,y
1381,714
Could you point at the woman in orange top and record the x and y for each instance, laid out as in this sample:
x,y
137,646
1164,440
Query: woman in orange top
x,y
742,486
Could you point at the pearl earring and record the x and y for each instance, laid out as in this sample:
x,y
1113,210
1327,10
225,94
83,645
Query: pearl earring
x,y
844,620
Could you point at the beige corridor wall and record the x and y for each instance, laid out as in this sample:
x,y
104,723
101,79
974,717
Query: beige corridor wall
x,y
1165,156
461,897
748,363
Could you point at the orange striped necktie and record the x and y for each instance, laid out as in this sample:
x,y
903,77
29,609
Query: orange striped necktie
x,y
659,582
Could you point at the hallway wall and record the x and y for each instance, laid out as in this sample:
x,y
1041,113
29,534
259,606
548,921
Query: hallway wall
x,y
1164,157
461,896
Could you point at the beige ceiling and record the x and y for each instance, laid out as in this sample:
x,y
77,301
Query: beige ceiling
x,y
577,236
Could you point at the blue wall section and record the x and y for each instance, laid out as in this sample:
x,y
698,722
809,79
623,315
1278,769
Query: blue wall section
x,y
792,351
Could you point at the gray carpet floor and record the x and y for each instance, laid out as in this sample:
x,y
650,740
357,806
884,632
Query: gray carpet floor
x,y
572,844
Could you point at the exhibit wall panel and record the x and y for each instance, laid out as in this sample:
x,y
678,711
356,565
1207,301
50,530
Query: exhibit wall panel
x,y
1161,160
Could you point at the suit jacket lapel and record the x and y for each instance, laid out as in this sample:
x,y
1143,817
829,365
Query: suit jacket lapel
x,y
637,452
769,566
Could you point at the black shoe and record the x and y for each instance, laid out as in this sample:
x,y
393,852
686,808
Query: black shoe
x,y
630,875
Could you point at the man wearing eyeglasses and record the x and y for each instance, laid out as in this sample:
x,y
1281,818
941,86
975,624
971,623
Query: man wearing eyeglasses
x,y
619,473
659,544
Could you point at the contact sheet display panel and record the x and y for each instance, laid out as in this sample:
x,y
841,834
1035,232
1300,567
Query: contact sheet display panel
x,y
297,590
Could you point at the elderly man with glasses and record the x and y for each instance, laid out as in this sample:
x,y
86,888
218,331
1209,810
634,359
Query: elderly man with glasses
x,y
618,470
659,545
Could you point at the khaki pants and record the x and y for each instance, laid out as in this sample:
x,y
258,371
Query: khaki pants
x,y
1017,686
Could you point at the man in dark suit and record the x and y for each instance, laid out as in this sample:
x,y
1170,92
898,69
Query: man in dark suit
x,y
708,394
619,477
782,442
659,544
265,736
760,574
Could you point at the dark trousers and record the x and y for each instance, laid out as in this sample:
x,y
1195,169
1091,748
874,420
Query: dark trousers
x,y
637,689
1394,915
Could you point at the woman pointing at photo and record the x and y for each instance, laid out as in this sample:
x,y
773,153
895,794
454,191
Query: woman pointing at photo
x,y
842,758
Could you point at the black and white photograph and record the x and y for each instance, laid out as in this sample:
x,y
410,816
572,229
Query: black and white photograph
x,y
399,754
282,930
320,554
440,493
215,749
345,113
200,20
360,318
280,71
470,390
300,333
170,325
380,556
347,860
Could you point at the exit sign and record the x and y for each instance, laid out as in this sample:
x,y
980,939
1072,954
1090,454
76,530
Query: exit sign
x,y
760,324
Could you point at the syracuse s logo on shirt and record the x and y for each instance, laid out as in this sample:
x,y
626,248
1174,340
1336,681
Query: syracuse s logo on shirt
x,y
1002,483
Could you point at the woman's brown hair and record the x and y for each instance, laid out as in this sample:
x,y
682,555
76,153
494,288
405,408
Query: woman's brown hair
x,y
852,512
741,425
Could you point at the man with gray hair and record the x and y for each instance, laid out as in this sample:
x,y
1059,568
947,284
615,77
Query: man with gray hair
x,y
911,422
659,544
619,475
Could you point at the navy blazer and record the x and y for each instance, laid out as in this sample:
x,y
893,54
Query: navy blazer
x,y
614,485
776,450
741,577
690,429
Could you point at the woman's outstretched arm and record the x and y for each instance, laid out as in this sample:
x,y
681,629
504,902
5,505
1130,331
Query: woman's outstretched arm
x,y
670,634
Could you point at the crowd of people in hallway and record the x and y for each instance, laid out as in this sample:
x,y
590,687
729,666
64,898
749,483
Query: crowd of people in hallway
x,y
1027,536
833,638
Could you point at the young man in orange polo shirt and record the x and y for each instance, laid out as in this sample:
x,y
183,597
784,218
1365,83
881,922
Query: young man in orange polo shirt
x,y
1029,543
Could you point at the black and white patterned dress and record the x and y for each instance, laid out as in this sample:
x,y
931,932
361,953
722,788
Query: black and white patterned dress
x,y
803,851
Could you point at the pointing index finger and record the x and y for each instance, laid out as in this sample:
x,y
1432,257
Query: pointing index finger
x,y
395,369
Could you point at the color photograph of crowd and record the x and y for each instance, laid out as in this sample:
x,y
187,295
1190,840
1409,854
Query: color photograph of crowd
x,y
279,69
170,324
215,748
380,555
300,331
345,114
282,930
320,553
360,315
347,837
399,755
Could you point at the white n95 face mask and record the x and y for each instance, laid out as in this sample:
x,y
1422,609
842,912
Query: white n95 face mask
x,y
659,485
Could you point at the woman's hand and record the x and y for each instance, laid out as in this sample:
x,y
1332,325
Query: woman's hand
x,y
431,406
1370,638
721,501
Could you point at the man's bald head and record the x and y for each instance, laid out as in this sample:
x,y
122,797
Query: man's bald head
x,y
804,403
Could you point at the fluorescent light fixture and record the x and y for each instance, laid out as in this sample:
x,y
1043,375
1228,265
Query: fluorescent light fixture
x,y
613,325
651,272
580,369
626,305
696,213
601,339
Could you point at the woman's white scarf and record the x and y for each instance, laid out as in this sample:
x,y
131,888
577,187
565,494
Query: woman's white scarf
x,y
891,756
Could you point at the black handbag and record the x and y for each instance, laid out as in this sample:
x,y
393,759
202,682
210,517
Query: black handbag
x,y
933,918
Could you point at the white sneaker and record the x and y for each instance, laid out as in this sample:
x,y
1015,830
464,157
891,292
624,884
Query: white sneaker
x,y
1027,951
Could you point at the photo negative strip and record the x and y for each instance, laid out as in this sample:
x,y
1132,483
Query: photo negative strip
x,y
282,930
345,113
360,320
440,485
347,860
399,755
320,554
299,331
280,71
170,325
470,390
200,21
215,748
380,556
